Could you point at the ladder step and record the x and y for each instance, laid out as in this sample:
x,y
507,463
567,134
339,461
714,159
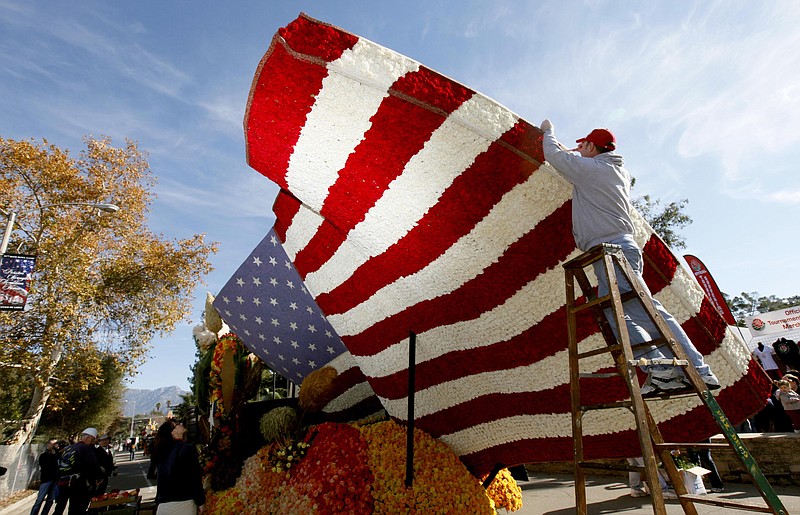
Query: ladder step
x,y
618,347
603,302
727,503
598,375
686,445
641,362
608,405
609,466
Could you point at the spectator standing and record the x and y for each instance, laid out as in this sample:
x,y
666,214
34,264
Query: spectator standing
x,y
765,354
48,472
790,399
703,457
180,487
105,458
77,482
638,487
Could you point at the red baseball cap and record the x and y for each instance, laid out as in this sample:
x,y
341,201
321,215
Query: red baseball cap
x,y
602,138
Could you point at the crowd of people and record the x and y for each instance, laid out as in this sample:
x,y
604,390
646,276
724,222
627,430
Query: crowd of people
x,y
781,412
72,474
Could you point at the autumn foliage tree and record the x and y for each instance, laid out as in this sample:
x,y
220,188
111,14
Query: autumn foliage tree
x,y
104,283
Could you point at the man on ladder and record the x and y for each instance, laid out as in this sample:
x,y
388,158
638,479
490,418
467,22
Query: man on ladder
x,y
601,209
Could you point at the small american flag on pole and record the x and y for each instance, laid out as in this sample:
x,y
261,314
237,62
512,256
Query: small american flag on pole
x,y
410,202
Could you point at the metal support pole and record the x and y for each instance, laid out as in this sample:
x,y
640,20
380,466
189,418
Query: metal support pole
x,y
7,233
412,358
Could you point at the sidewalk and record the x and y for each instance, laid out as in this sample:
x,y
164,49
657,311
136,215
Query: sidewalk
x,y
555,495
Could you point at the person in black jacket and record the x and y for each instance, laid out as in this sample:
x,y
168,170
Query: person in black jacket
x,y
105,458
180,487
48,473
78,485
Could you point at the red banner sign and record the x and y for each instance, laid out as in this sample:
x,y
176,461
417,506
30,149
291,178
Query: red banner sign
x,y
708,284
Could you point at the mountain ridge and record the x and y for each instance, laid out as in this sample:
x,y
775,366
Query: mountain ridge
x,y
144,401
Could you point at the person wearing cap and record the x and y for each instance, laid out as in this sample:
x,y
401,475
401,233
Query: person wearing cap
x,y
601,213
78,487
105,458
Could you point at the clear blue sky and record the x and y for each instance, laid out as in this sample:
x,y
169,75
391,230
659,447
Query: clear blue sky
x,y
704,98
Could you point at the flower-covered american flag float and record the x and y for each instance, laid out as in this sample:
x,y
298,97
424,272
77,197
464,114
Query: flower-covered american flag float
x,y
410,202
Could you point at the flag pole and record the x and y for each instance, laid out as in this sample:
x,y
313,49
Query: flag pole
x,y
412,351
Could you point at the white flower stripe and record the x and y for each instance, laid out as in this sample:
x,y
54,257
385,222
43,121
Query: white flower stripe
x,y
507,320
326,142
467,258
416,190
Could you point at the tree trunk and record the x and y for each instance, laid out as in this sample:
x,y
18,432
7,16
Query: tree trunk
x,y
28,425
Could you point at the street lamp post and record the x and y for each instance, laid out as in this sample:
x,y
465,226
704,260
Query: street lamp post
x,y
12,216
133,414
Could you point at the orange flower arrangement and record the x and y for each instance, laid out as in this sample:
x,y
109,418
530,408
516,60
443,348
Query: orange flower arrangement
x,y
504,491
360,468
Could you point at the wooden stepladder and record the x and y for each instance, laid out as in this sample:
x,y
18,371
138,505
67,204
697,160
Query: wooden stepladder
x,y
653,446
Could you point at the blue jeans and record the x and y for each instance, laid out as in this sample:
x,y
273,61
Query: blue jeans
x,y
47,490
640,327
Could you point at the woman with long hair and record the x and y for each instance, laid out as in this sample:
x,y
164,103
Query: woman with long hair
x,y
180,485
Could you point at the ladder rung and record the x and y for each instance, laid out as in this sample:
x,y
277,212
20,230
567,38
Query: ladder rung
x,y
604,301
684,445
618,347
599,350
607,405
609,466
727,503
598,375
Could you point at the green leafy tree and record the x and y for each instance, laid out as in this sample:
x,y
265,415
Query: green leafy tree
x,y
70,410
748,304
102,282
666,220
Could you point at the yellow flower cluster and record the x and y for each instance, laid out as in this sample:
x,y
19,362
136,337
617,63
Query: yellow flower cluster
x,y
505,492
224,501
442,484
284,457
